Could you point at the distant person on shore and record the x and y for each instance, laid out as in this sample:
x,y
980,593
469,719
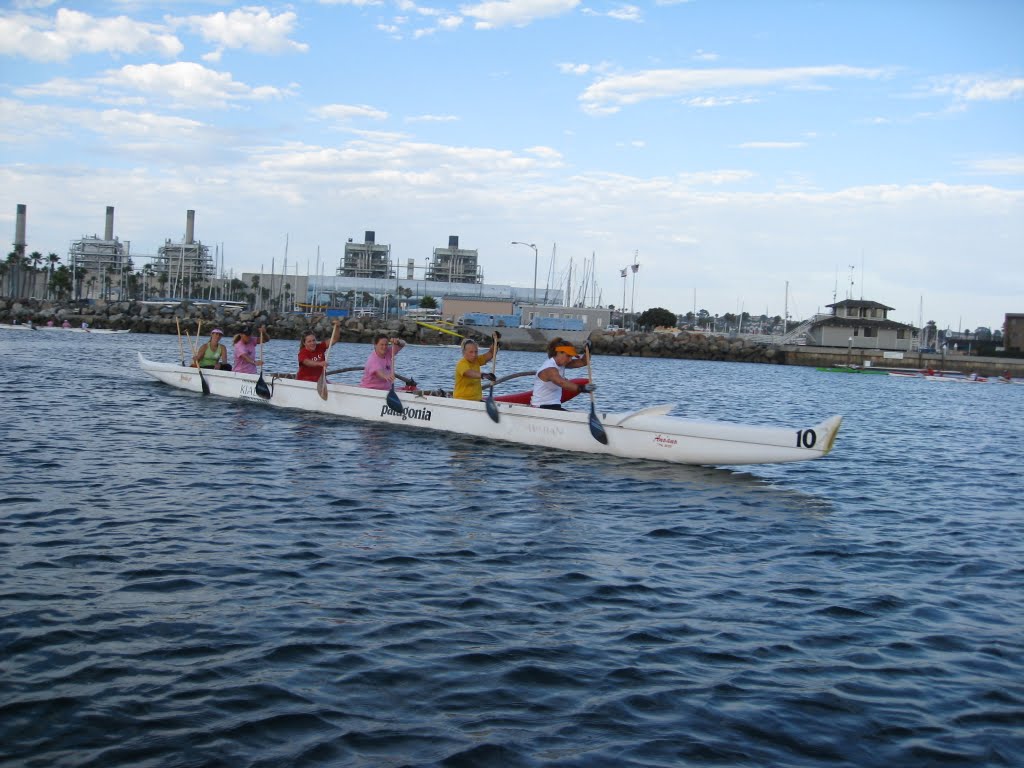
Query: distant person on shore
x,y
550,379
243,346
313,354
212,354
379,371
66,324
468,376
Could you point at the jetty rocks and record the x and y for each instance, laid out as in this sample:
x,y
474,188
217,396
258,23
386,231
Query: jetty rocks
x,y
684,346
167,317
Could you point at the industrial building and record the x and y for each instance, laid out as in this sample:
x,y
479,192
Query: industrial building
x,y
186,263
366,259
454,265
101,264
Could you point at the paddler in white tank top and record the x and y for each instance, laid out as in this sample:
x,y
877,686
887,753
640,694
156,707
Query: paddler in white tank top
x,y
550,379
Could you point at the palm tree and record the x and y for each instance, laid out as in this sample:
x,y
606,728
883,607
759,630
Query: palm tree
x,y
34,259
60,282
52,260
80,275
256,288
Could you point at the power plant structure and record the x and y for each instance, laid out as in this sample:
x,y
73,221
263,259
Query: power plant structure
x,y
186,263
372,260
454,264
105,259
19,230
367,259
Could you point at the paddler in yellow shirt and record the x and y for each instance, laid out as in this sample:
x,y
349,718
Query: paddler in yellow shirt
x,y
468,375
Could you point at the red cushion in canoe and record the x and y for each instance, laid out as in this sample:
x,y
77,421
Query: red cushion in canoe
x,y
523,398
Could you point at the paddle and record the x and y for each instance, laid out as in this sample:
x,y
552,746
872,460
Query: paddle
x,y
262,390
596,427
393,401
492,407
321,383
202,379
181,350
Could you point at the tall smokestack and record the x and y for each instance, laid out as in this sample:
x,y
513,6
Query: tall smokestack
x,y
190,227
108,232
19,230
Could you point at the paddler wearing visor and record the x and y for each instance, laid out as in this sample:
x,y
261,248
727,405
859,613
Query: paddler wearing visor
x,y
550,379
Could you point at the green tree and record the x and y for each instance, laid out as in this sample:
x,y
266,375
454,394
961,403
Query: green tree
x,y
657,317
60,282
428,302
34,260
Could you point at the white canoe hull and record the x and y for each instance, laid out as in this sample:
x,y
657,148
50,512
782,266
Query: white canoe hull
x,y
648,433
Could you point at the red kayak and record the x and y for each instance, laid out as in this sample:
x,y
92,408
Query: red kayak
x,y
523,398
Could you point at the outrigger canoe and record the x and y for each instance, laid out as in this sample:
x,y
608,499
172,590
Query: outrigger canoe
x,y
649,433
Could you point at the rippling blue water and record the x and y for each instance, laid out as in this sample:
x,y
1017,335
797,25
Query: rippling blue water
x,y
187,581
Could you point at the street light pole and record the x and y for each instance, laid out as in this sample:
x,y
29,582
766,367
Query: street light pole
x,y
531,245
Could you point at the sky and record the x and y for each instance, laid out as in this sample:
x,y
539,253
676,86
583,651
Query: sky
x,y
748,156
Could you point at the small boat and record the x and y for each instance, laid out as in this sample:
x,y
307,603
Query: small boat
x,y
849,370
31,327
648,433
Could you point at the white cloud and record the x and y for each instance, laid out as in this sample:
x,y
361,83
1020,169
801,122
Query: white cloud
x,y
969,88
252,28
357,3
568,68
432,119
1012,165
611,93
343,113
71,33
183,84
621,13
704,102
515,13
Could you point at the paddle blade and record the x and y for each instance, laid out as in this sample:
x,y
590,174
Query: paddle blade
x,y
596,427
202,382
394,403
492,407
262,390
321,385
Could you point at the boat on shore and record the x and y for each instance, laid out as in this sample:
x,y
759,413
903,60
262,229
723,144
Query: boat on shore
x,y
648,433
849,369
31,327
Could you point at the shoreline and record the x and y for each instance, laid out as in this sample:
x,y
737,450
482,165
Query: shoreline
x,y
164,319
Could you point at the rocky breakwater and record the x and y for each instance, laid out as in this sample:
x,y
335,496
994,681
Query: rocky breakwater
x,y
684,346
168,317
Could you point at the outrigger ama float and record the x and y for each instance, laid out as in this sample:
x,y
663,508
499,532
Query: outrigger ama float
x,y
648,433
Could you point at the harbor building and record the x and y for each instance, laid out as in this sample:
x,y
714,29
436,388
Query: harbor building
x,y
856,324
1013,332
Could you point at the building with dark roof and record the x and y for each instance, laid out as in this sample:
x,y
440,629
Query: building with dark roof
x,y
857,324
